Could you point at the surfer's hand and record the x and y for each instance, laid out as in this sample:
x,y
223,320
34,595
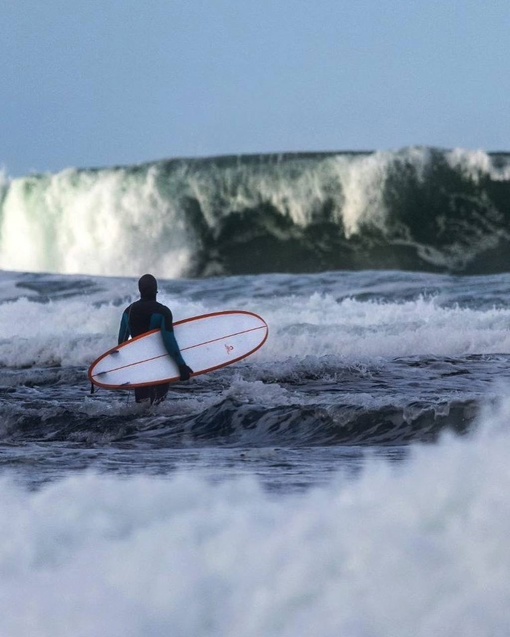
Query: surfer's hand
x,y
185,372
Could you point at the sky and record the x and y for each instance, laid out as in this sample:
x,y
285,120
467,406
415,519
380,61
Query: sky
x,y
117,82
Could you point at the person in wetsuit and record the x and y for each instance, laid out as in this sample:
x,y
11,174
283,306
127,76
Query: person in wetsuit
x,y
142,316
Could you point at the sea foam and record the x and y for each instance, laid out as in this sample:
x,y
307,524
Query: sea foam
x,y
419,548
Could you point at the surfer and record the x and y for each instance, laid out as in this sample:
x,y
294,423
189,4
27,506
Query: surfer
x,y
142,316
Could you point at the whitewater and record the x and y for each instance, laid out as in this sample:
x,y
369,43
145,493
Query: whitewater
x,y
417,209
350,478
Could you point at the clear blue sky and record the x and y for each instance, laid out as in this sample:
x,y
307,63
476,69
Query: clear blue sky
x,y
108,82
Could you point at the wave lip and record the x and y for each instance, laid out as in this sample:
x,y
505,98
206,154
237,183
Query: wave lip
x,y
415,209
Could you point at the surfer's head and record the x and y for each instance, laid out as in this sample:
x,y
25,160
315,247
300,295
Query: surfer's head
x,y
148,286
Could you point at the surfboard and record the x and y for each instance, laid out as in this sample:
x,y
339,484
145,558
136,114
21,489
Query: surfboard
x,y
207,343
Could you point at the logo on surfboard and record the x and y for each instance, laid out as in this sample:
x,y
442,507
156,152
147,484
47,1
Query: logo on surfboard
x,y
229,348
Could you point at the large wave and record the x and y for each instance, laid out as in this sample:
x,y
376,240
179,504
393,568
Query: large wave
x,y
415,209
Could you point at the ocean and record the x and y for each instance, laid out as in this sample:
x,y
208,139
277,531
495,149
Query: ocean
x,y
350,478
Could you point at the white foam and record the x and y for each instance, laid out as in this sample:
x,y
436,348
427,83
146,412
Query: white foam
x,y
362,182
418,549
75,331
477,164
360,330
106,222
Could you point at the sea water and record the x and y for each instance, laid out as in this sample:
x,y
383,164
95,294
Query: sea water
x,y
350,478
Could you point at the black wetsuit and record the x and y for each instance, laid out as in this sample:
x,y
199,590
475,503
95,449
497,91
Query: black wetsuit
x,y
140,317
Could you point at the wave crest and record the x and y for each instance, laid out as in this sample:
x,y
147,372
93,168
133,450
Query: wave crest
x,y
415,209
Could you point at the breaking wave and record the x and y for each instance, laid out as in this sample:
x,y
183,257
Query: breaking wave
x,y
416,209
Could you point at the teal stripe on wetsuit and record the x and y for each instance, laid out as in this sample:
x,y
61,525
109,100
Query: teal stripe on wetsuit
x,y
158,321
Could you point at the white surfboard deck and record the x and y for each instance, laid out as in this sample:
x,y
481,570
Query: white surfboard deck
x,y
207,342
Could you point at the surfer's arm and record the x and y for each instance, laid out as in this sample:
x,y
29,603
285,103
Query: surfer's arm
x,y
172,347
165,323
124,331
